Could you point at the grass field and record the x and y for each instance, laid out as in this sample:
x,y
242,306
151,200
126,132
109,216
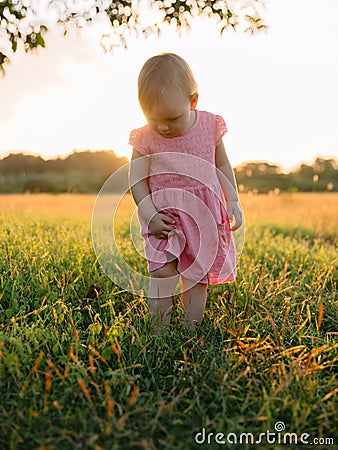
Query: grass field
x,y
77,373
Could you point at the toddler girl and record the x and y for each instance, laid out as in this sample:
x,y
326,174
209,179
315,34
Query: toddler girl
x,y
185,190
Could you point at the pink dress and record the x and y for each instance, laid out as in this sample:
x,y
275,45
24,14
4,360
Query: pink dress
x,y
184,185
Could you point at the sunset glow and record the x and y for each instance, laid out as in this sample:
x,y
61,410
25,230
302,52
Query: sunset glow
x,y
277,90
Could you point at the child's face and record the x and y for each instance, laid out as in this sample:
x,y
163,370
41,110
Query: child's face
x,y
172,114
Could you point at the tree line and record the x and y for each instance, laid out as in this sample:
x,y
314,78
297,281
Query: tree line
x,y
79,172
261,177
86,172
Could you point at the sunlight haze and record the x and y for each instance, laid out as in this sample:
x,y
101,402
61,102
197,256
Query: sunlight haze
x,y
277,90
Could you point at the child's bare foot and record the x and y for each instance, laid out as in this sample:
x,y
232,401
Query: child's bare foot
x,y
191,325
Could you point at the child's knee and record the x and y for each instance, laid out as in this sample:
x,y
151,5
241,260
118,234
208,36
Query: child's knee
x,y
163,281
167,271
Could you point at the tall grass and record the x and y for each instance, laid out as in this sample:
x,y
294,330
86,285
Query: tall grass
x,y
87,373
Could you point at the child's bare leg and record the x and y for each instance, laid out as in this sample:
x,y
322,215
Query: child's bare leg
x,y
194,297
163,282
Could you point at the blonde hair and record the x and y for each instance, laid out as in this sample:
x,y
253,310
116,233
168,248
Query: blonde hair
x,y
163,71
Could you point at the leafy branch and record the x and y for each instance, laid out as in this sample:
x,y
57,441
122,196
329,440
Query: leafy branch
x,y
27,22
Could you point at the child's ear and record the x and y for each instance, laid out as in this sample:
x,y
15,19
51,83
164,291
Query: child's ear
x,y
193,101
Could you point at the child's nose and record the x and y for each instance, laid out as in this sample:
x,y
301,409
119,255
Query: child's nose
x,y
162,127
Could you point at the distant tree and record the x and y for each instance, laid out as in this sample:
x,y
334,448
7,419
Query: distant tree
x,y
261,177
21,20
103,161
325,167
305,171
21,163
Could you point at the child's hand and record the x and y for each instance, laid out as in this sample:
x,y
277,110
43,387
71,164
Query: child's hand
x,y
235,215
159,225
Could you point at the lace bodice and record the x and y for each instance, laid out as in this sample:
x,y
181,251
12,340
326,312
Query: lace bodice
x,y
186,161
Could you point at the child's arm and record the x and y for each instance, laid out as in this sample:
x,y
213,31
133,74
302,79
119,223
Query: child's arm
x,y
227,179
138,177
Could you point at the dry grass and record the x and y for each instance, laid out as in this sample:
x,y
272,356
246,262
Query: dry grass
x,y
79,373
319,211
70,204
296,209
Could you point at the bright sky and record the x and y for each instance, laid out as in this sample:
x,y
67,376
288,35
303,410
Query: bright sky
x,y
277,91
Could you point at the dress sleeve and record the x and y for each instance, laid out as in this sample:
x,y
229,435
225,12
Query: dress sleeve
x,y
221,129
138,140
